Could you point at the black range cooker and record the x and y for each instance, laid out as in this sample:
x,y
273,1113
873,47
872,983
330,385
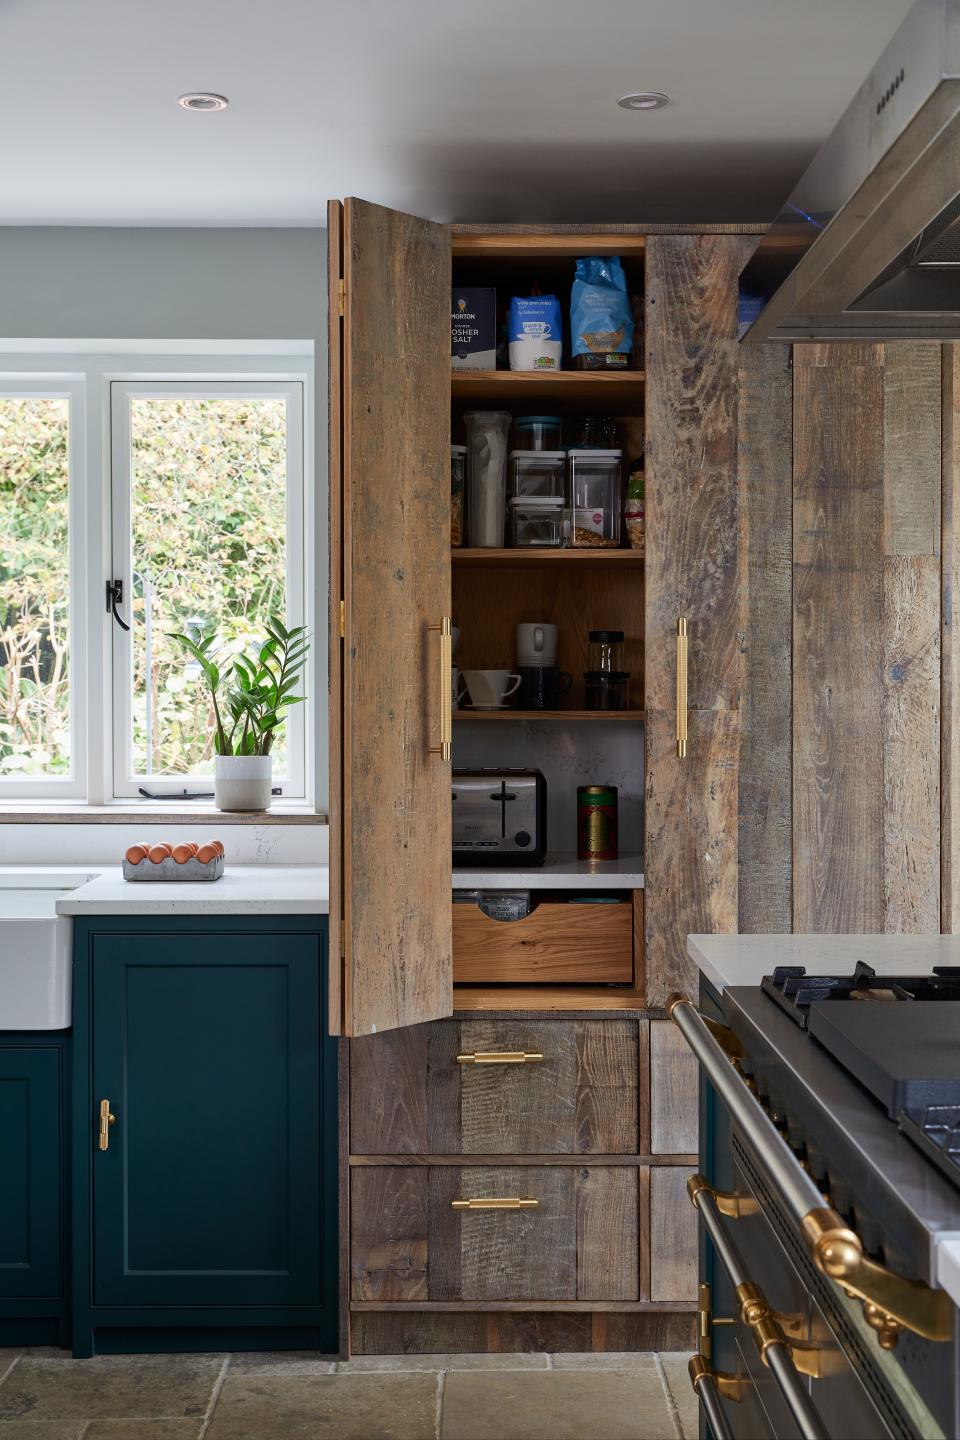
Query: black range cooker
x,y
830,1154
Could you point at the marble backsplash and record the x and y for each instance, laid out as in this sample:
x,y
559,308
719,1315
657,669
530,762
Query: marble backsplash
x,y
569,753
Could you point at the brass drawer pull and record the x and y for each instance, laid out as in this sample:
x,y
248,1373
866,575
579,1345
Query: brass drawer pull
x,y
507,1202
445,748
106,1120
681,688
501,1057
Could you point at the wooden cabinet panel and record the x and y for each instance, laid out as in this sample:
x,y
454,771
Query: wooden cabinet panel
x,y
31,1135
673,1236
673,1092
410,1096
581,1242
391,822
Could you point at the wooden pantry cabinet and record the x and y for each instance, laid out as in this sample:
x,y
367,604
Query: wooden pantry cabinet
x,y
559,1129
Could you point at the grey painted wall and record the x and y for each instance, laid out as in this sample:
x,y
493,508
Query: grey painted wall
x,y
99,283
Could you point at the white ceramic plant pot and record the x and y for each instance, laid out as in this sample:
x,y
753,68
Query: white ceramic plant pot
x,y
242,782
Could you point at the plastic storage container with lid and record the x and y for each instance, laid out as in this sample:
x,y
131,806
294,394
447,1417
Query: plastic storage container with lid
x,y
537,472
537,432
594,492
537,520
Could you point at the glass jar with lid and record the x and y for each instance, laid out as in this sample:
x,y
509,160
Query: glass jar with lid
x,y
605,650
594,491
537,432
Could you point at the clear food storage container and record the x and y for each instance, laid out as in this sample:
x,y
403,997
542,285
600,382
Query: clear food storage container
x,y
538,432
594,490
538,472
537,520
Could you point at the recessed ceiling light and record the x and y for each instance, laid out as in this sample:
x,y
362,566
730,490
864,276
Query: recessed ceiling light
x,y
644,100
203,100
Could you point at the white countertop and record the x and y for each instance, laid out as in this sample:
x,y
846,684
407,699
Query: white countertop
x,y
745,959
242,890
561,871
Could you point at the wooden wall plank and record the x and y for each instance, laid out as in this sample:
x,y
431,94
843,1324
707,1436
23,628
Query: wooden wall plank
x,y
765,454
674,1079
950,643
911,449
607,1099
837,664
608,1257
673,1236
388,1234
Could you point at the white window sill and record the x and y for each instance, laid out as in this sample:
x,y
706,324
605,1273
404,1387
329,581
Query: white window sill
x,y
46,812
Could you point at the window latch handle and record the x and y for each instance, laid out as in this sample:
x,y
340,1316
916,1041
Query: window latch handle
x,y
115,598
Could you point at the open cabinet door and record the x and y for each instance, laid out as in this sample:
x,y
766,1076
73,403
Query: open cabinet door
x,y
390,670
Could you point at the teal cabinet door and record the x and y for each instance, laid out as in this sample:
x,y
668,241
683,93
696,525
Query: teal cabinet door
x,y
30,1172
206,1047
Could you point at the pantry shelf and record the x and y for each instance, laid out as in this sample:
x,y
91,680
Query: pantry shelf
x,y
635,715
534,555
594,386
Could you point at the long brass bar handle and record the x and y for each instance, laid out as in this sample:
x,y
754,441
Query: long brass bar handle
x,y
445,748
106,1120
506,1202
501,1057
681,688
708,1387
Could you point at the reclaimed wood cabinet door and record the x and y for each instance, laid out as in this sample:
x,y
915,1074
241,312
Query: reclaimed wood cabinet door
x,y
692,575
390,814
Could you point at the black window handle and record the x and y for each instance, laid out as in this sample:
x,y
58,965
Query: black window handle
x,y
115,598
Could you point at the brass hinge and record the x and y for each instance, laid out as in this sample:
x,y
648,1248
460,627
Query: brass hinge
x,y
342,294
343,618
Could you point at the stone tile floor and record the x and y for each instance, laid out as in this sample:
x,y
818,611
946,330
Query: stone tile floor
x,y
46,1395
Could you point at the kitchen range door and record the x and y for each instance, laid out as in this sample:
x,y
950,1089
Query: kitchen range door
x,y
390,665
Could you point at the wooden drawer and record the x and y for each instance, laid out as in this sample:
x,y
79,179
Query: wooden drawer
x,y
555,943
409,1095
409,1243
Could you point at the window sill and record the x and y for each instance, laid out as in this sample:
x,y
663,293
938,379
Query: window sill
x,y
22,812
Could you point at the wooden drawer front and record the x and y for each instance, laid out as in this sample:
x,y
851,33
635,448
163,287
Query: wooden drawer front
x,y
673,1235
581,1242
560,944
409,1094
674,1103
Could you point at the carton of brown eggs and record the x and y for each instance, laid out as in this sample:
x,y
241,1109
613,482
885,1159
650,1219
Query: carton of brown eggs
x,y
187,861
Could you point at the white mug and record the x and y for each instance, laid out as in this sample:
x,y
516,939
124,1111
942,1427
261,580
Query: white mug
x,y
536,644
489,688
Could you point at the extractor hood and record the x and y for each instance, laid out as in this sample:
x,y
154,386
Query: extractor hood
x,y
868,245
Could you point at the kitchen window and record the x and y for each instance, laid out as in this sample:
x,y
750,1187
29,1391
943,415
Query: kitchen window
x,y
166,502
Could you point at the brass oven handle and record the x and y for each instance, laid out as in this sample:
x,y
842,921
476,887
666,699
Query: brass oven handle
x,y
501,1057
681,688
891,1302
106,1120
445,748
709,1386
506,1202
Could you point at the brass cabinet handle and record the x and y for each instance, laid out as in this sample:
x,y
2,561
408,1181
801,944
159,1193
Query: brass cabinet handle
x,y
506,1202
710,1386
501,1057
681,688
445,748
728,1202
106,1120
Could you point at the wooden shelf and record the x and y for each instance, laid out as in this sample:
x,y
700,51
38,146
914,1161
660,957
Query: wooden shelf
x,y
533,555
598,387
518,245
468,714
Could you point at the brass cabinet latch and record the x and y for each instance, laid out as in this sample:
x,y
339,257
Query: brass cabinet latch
x,y
106,1120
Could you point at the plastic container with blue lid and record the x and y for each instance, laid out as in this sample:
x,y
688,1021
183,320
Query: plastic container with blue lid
x,y
537,432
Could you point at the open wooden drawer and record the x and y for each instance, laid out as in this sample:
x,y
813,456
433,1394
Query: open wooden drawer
x,y
555,944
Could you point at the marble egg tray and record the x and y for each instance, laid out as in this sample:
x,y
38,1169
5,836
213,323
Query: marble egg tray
x,y
170,869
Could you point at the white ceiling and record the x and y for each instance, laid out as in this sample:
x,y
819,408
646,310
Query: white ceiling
x,y
454,109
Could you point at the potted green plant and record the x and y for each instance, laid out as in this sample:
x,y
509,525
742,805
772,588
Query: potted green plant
x,y
259,691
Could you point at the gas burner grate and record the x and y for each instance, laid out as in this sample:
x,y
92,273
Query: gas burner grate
x,y
795,991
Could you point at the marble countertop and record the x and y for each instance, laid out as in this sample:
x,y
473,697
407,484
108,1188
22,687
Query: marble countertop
x,y
745,959
560,872
242,890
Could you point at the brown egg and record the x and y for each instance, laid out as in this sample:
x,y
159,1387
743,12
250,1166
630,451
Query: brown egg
x,y
206,853
183,853
136,853
192,846
159,852
218,844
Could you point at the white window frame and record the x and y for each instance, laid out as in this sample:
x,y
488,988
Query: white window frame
x,y
72,389
127,785
90,369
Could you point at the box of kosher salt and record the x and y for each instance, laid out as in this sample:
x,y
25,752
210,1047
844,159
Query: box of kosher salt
x,y
473,329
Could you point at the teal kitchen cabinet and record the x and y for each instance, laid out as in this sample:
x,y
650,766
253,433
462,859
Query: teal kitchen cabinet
x,y
33,1106
205,1209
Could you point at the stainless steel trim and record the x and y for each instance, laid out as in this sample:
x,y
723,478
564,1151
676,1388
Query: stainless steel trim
x,y
776,1350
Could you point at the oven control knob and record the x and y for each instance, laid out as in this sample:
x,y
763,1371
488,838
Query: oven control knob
x,y
522,838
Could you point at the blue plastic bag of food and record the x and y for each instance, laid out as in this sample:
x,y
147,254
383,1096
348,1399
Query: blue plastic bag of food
x,y
535,332
601,317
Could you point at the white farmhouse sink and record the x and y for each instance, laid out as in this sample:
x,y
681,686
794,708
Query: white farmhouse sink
x,y
35,961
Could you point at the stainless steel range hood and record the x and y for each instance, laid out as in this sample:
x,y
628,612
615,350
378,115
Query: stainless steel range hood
x,y
868,245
